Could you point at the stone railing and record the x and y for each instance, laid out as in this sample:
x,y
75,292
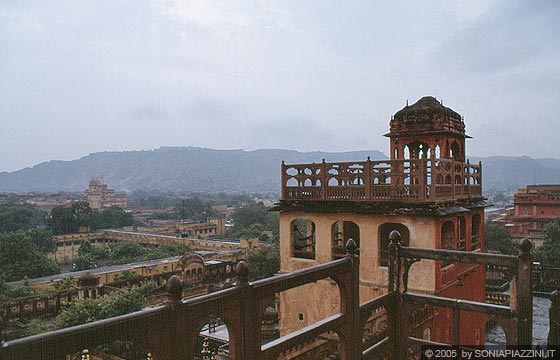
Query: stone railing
x,y
421,180
171,331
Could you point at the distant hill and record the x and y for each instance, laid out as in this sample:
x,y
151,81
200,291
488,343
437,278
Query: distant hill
x,y
176,169
191,169
506,172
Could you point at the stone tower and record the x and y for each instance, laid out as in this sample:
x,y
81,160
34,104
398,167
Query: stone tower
x,y
427,191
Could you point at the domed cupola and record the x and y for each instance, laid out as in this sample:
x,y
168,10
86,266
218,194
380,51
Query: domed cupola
x,y
425,129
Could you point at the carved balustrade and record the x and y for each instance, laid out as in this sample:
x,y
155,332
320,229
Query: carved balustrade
x,y
170,332
414,181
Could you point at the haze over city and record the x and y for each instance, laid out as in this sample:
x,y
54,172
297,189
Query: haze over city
x,y
81,77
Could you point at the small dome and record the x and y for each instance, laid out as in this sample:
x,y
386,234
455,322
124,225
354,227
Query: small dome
x,y
426,105
426,116
270,315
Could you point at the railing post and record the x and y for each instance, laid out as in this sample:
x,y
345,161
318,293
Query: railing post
x,y
554,320
468,175
422,175
284,181
324,180
397,313
351,335
250,323
369,174
524,294
171,348
433,176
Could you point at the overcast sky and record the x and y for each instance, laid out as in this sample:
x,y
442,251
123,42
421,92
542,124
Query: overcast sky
x,y
85,76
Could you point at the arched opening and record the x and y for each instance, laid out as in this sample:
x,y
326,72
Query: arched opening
x,y
341,232
462,244
292,182
447,239
495,334
213,339
448,235
384,231
333,182
437,152
456,151
303,238
475,231
406,153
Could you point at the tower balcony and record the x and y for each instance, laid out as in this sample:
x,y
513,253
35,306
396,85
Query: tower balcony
x,y
408,181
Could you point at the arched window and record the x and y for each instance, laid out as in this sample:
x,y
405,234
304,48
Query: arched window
x,y
303,238
384,231
341,232
475,231
448,235
461,245
447,239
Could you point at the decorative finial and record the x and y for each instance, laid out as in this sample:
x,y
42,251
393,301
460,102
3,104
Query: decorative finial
x,y
242,272
174,288
351,247
526,245
406,102
395,236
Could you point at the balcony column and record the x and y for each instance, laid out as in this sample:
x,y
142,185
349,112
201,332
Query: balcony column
x,y
368,176
422,174
284,180
324,179
251,317
433,175
167,346
524,294
554,320
468,177
349,285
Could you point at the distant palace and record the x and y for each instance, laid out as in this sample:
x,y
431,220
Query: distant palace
x,y
99,196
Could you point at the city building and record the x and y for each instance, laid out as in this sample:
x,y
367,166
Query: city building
x,y
534,207
428,191
99,196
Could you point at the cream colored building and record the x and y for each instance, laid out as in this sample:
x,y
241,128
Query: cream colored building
x,y
99,196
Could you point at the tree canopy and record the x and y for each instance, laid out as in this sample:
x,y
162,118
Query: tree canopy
x,y
263,263
20,217
128,252
113,304
68,220
25,258
549,252
497,239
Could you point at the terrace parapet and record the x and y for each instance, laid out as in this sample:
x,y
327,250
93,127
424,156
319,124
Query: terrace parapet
x,y
422,180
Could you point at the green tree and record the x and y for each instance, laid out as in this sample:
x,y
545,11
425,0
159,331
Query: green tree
x,y
20,217
61,221
549,252
263,263
65,284
497,239
246,215
125,250
84,261
81,214
194,209
43,240
109,305
25,259
113,217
